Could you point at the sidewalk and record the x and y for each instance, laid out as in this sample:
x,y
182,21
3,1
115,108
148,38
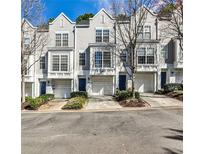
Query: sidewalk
x,y
160,100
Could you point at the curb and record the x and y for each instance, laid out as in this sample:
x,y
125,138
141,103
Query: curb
x,y
106,110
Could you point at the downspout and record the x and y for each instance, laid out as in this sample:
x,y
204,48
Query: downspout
x,y
74,56
156,24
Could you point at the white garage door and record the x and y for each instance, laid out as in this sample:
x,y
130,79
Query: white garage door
x,y
144,82
28,89
102,85
179,77
62,88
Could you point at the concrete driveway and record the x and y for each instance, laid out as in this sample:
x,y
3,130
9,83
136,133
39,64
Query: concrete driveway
x,y
102,102
160,100
158,131
53,105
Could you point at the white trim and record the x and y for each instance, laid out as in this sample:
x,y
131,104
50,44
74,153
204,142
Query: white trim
x,y
29,23
100,12
62,14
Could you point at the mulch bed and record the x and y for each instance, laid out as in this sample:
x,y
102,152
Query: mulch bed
x,y
175,95
134,103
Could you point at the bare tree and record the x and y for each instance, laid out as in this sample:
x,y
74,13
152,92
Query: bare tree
x,y
130,18
31,11
172,12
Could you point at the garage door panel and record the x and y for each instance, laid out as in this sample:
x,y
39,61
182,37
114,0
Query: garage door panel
x,y
144,82
102,85
62,88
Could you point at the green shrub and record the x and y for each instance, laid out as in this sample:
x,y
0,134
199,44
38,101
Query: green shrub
x,y
75,103
125,94
137,95
47,97
172,87
79,94
34,103
73,106
28,99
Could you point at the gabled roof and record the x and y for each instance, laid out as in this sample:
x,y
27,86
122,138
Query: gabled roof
x,y
62,14
102,10
149,10
29,23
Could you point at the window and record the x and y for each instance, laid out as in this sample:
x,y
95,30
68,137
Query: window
x,y
105,35
27,42
81,58
62,39
98,59
64,62
65,39
58,40
102,59
145,55
42,63
150,55
106,59
98,35
55,62
102,35
144,32
123,56
164,51
141,55
147,32
140,32
60,63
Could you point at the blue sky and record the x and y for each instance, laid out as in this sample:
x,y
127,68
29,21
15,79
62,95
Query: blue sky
x,y
72,8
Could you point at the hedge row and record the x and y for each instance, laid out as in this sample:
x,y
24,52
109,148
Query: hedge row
x,y
125,94
75,103
172,87
79,94
35,103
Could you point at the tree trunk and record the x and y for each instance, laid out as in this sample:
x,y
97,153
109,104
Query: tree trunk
x,y
22,89
133,70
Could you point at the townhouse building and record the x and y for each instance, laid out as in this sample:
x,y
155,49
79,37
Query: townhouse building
x,y
83,57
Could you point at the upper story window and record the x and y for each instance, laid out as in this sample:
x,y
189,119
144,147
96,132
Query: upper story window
x,y
27,42
82,59
147,32
102,59
58,40
60,63
145,55
43,63
144,32
56,62
102,35
64,62
123,56
61,39
65,39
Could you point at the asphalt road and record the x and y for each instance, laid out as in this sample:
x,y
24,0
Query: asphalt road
x,y
128,132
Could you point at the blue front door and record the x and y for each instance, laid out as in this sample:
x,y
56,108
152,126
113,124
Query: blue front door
x,y
122,82
82,84
163,79
42,88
